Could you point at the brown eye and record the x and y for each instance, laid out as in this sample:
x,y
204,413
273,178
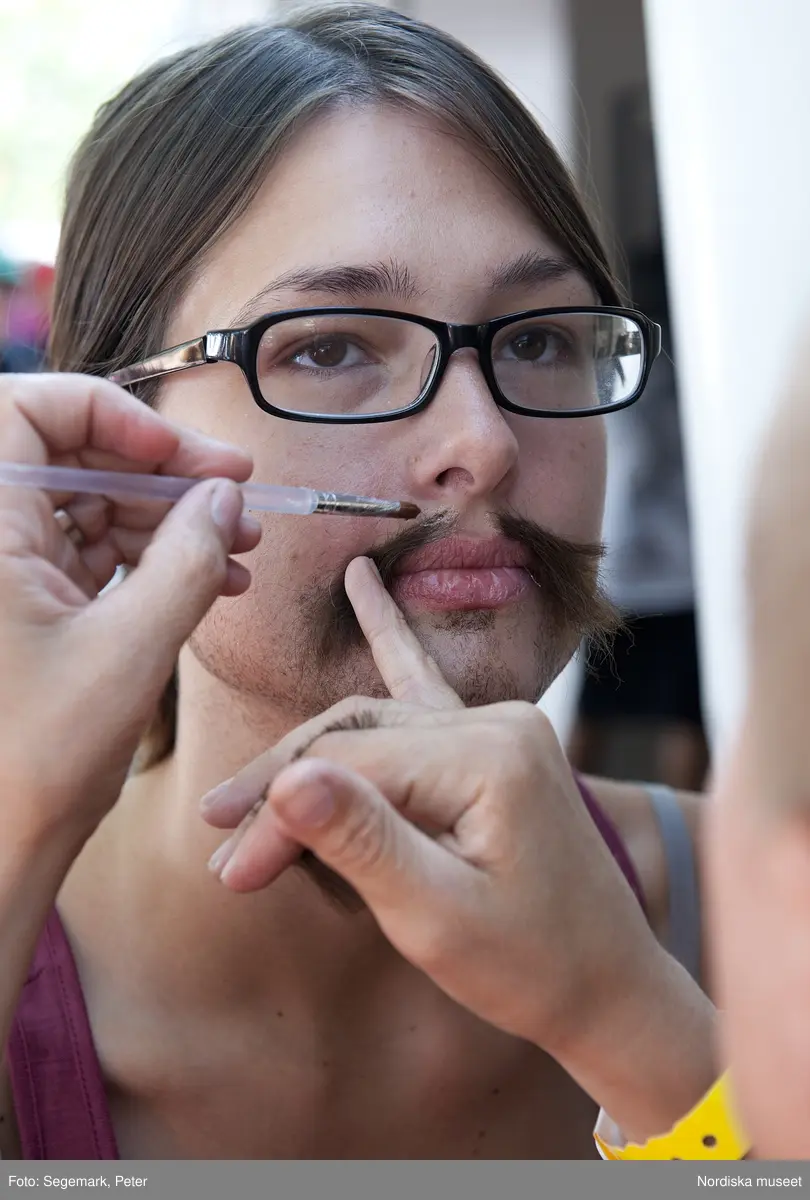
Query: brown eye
x,y
530,345
330,352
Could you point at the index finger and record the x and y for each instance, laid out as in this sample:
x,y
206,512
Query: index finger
x,y
407,670
409,762
409,765
228,803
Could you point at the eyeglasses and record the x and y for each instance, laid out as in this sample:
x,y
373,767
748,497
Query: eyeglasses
x,y
361,365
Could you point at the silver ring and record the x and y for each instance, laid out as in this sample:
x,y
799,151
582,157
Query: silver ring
x,y
69,527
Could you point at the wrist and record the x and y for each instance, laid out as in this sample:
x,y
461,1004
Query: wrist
x,y
646,1052
711,1130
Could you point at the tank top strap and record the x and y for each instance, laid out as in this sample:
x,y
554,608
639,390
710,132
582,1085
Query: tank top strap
x,y
60,1102
613,841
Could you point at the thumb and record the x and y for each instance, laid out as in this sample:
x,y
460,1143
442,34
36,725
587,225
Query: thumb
x,y
180,574
353,829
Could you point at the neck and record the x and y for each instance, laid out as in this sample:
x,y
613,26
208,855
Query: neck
x,y
198,944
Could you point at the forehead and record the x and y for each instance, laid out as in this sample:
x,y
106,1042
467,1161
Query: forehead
x,y
382,186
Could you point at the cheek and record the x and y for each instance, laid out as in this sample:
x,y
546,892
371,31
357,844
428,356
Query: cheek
x,y
297,554
216,401
562,469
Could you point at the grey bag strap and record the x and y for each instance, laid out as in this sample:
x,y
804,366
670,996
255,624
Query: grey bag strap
x,y
684,942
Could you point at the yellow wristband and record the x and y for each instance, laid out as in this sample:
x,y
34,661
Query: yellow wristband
x,y
710,1130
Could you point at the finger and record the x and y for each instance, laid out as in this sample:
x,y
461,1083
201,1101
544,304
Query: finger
x,y
69,413
410,764
270,850
71,418
197,457
46,415
409,673
144,518
131,543
228,803
367,748
237,579
155,609
352,829
92,562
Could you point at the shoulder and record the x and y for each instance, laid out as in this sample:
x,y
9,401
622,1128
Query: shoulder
x,y
629,808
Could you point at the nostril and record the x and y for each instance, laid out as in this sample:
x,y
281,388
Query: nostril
x,y
455,477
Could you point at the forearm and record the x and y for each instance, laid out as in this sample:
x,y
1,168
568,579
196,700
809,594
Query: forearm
x,y
33,867
653,1056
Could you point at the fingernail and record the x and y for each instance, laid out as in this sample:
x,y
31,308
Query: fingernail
x,y
311,805
226,506
218,860
375,569
212,798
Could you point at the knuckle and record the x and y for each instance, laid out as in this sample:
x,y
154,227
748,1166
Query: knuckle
x,y
205,555
517,741
362,840
12,388
351,705
392,621
529,726
403,686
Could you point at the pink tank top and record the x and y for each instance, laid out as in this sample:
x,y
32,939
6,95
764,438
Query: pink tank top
x,y
60,1102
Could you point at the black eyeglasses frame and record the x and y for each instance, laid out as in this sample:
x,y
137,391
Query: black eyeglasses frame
x,y
240,347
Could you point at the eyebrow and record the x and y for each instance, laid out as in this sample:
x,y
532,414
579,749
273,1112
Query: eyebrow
x,y
352,282
359,281
531,270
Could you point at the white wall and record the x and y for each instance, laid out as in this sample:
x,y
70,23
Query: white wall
x,y
731,103
526,40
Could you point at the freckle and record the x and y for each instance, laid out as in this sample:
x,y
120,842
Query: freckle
x,y
325,1062
482,1133
279,1013
495,1092
412,1029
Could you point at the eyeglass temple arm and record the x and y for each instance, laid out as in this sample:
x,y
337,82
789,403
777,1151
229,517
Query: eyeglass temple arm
x,y
178,358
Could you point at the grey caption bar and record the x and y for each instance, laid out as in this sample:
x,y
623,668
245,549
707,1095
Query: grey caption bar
x,y
404,1180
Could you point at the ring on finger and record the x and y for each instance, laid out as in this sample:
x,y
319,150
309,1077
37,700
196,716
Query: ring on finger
x,y
69,527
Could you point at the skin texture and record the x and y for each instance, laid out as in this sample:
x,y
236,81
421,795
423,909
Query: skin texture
x,y
759,836
212,1010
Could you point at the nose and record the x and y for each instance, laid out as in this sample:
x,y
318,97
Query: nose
x,y
465,449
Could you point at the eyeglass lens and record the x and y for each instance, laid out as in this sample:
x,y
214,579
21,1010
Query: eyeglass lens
x,y
345,365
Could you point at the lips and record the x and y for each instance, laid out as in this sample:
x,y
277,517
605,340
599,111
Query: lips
x,y
462,574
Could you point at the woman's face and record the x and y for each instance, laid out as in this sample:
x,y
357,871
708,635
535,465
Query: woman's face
x,y
383,188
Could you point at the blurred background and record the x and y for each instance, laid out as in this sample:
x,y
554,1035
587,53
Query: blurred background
x,y
685,125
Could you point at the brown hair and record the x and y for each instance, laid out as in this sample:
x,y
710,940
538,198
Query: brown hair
x,y
177,156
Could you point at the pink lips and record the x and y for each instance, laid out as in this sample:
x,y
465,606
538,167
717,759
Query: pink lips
x,y
461,574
